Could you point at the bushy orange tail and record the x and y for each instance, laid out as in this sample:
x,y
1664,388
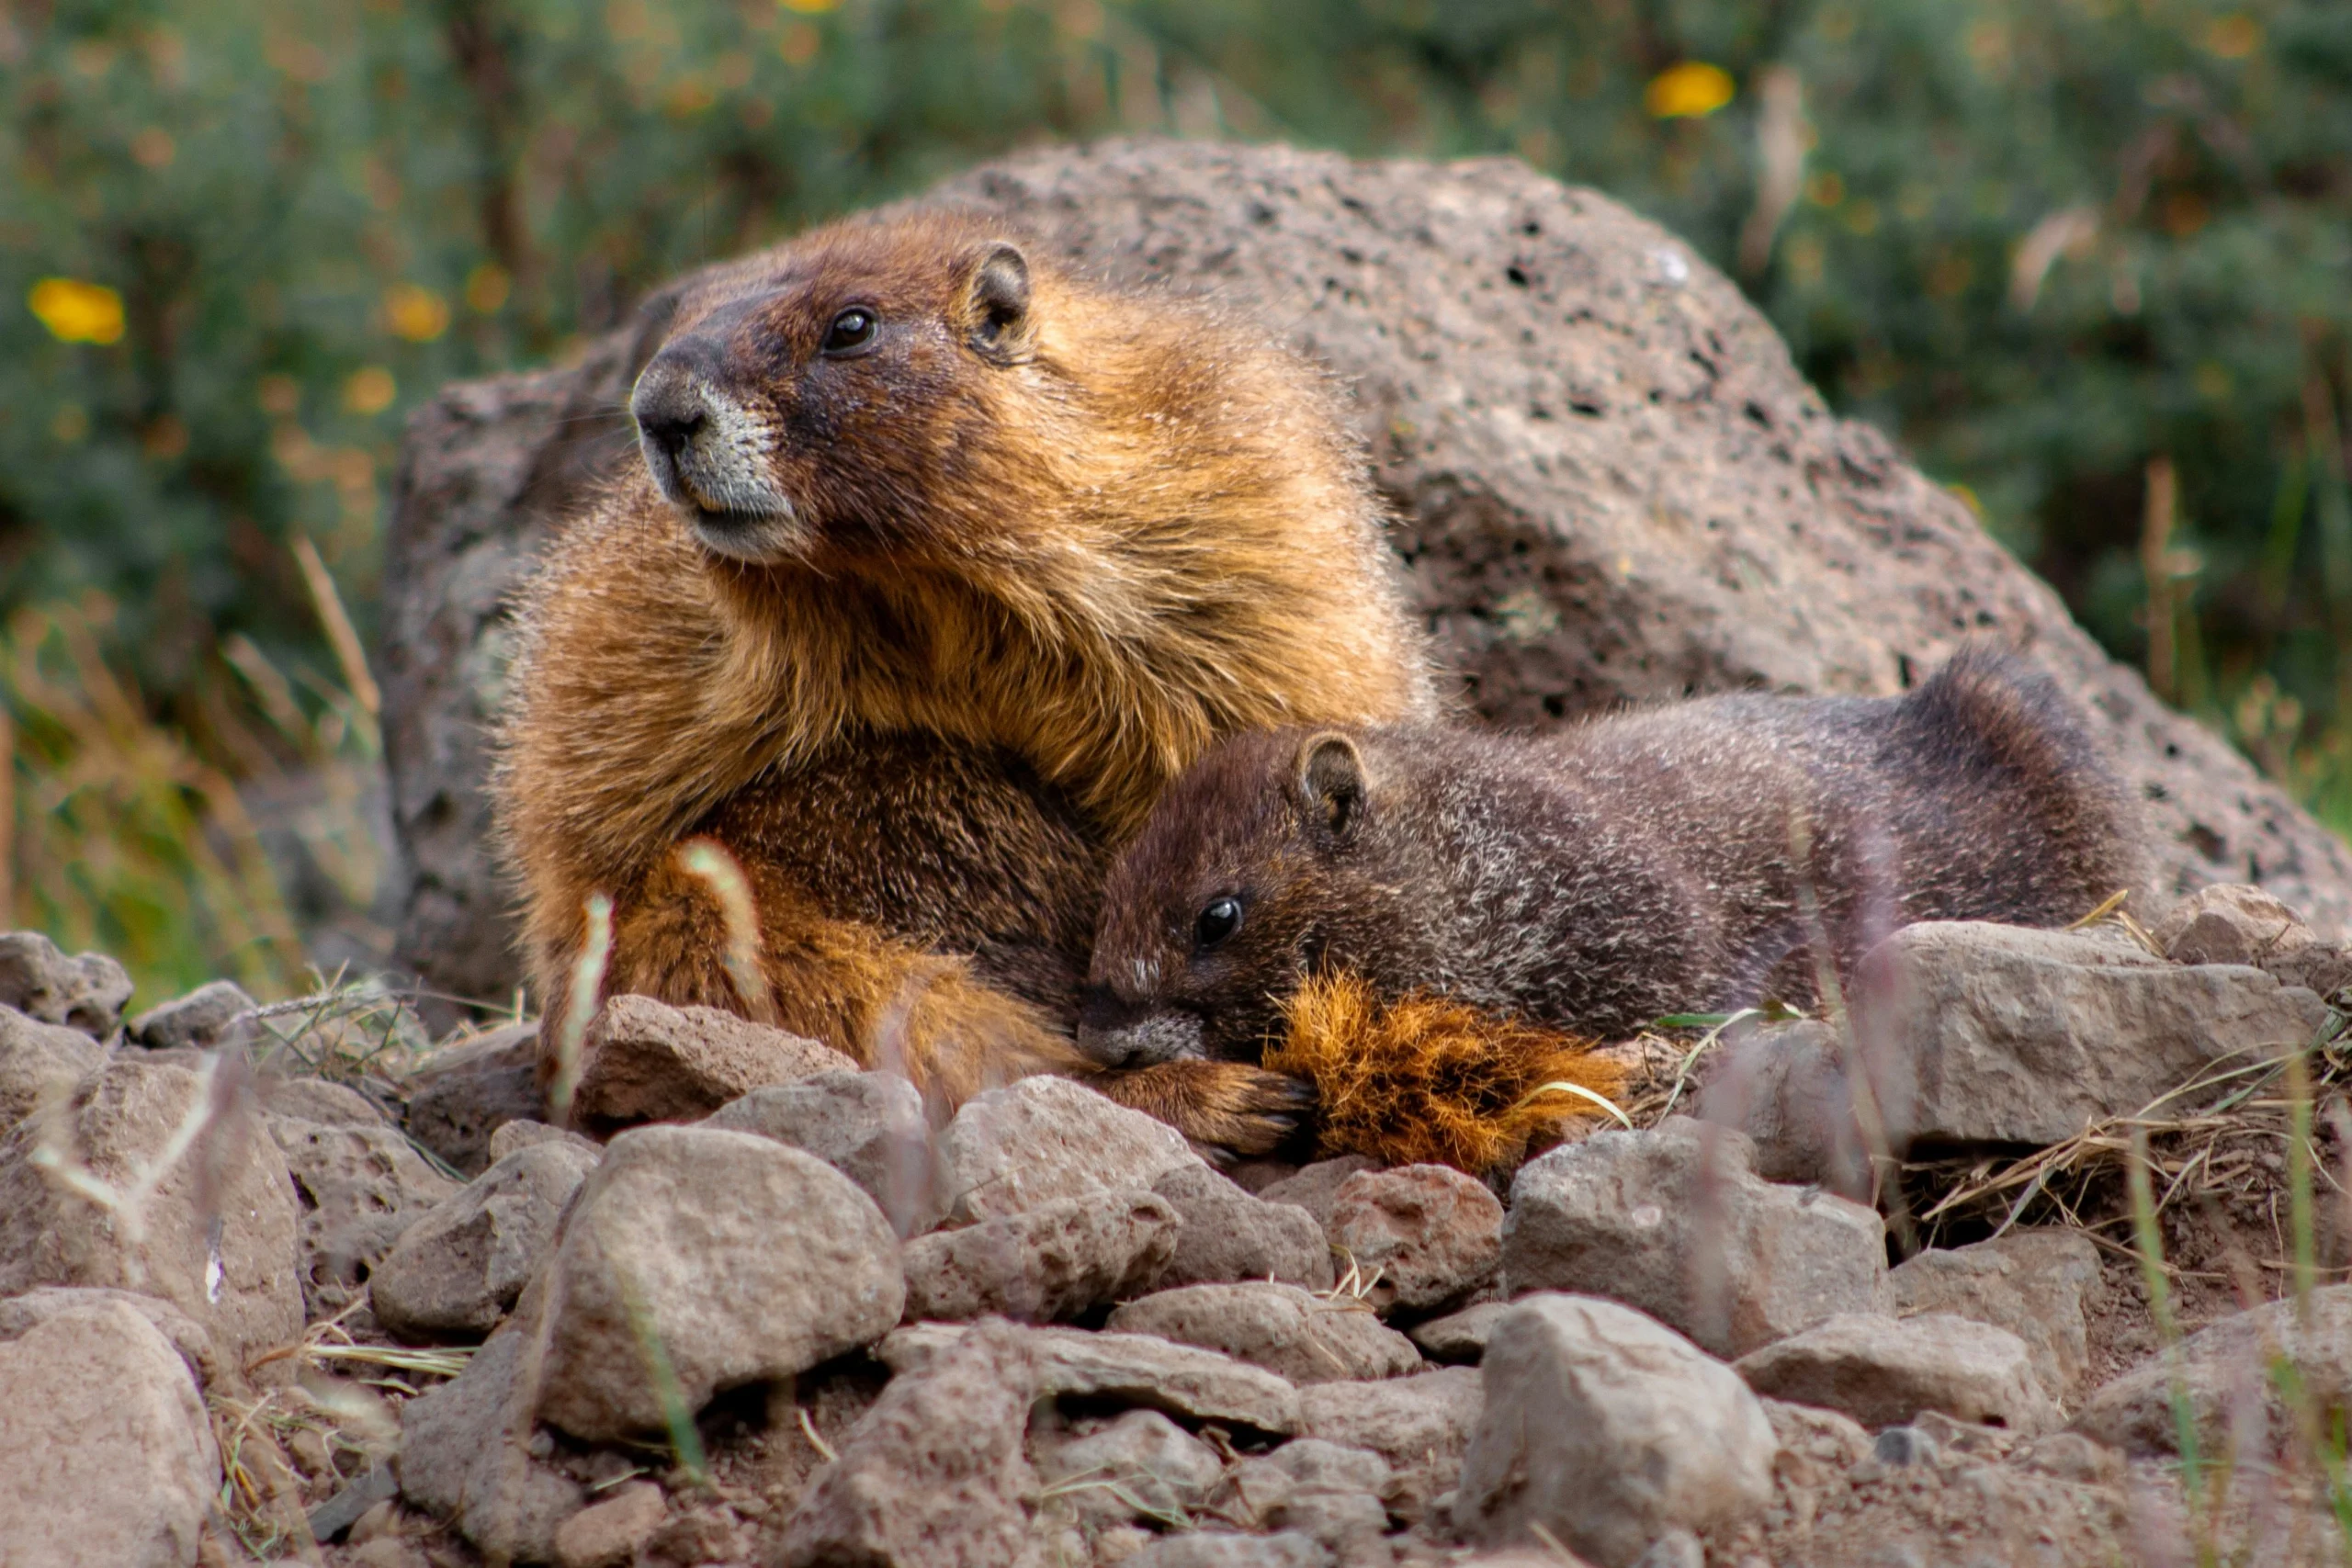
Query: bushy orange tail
x,y
1425,1080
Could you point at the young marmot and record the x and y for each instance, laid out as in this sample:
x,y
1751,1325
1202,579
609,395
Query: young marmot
x,y
1663,860
938,565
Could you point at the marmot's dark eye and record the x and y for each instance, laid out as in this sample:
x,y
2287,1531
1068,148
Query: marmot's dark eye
x,y
851,330
1219,920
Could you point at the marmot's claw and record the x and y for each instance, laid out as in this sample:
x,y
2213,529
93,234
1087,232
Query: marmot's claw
x,y
1229,1110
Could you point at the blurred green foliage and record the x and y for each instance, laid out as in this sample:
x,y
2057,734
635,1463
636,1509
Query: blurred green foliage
x,y
2045,245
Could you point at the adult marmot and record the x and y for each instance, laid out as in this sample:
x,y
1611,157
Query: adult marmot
x,y
938,566
1677,859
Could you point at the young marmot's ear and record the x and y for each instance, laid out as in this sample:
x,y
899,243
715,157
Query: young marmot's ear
x,y
1331,783
1000,302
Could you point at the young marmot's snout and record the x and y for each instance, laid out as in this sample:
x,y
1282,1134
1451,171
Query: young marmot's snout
x,y
1677,859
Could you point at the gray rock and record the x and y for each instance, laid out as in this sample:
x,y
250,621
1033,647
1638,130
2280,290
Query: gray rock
x,y
1460,1336
1784,1085
933,1476
40,1062
1672,1221
1884,1371
2233,924
119,1123
1420,1425
105,1454
644,1061
1140,1457
1054,1261
86,991
1227,1235
202,1018
329,1520
2032,1282
745,1260
1044,1138
1611,483
320,1100
1130,1369
1329,1493
869,1127
1316,1186
460,1268
464,1095
1995,1034
1305,1339
466,1455
609,1534
359,1188
1211,1549
20,1314
511,1136
2228,1367
1423,1235
1607,1430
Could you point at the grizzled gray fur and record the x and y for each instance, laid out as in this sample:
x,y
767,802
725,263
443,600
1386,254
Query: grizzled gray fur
x,y
1679,858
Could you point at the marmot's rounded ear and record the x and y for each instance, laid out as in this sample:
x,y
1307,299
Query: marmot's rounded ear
x,y
999,297
1331,783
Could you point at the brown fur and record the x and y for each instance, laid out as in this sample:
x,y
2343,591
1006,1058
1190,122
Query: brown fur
x,y
918,633
1423,1080
1675,859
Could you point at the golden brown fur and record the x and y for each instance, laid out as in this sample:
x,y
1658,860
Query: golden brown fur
x,y
1002,572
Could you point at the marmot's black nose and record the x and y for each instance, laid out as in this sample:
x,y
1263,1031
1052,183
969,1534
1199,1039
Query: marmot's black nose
x,y
669,408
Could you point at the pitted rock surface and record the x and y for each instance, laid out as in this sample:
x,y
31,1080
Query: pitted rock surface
x,y
1611,486
645,1061
83,990
1054,1261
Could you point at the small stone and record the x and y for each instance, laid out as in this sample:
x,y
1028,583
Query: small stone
x,y
320,1100
643,1061
105,1454
869,1127
1882,1371
1784,1085
2070,1456
2233,924
1054,1261
1674,1549
468,1456
84,992
1424,1235
1130,1369
2032,1282
1316,1186
525,1133
1900,1447
1420,1425
1304,1338
607,1534
343,1510
1673,1222
465,1093
1209,1549
20,1314
360,1188
2227,1366
933,1474
2007,1035
1329,1493
1043,1138
1606,1430
1458,1336
1818,1438
1227,1235
40,1062
244,1291
460,1268
744,1259
1140,1457
203,1018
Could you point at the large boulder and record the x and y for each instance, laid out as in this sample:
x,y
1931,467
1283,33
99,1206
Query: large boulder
x,y
1610,484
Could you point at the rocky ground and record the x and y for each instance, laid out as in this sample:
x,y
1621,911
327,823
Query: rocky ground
x,y
298,1282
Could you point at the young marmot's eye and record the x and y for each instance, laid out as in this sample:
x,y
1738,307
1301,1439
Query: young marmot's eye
x,y
1219,920
852,329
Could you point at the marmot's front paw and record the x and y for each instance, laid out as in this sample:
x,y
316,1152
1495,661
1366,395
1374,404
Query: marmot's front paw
x,y
1230,1110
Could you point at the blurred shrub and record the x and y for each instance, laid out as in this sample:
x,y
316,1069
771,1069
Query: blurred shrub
x,y
2045,245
